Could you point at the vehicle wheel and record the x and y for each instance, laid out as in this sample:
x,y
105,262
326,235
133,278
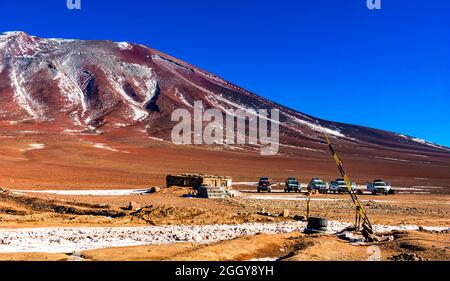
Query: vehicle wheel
x,y
374,193
259,190
270,190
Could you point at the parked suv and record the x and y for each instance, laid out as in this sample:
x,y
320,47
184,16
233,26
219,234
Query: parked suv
x,y
379,186
339,186
292,184
317,184
264,184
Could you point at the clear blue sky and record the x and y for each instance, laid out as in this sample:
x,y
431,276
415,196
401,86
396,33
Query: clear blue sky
x,y
334,59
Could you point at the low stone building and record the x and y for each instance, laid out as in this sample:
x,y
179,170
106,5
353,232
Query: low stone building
x,y
198,180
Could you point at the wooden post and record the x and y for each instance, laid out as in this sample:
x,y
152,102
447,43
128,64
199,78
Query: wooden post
x,y
308,202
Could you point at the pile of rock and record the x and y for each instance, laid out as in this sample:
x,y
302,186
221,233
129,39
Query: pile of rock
x,y
407,257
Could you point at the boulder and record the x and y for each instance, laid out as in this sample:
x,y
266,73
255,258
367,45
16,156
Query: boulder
x,y
155,189
285,213
133,206
299,218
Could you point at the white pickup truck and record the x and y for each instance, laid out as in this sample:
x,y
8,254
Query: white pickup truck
x,y
380,187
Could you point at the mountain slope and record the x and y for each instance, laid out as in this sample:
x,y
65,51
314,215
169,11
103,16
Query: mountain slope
x,y
79,86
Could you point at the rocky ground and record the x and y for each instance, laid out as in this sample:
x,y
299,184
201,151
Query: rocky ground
x,y
170,207
53,226
293,246
393,209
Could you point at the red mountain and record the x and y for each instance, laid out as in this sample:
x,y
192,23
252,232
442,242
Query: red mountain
x,y
93,86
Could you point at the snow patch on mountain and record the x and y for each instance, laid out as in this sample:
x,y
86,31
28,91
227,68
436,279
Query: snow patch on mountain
x,y
3,45
147,84
317,127
20,43
253,111
182,98
71,90
61,40
249,110
124,45
424,142
172,64
22,96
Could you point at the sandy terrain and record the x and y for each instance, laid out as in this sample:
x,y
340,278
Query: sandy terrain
x,y
87,181
32,159
168,209
293,246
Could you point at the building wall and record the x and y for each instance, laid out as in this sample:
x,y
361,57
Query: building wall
x,y
196,181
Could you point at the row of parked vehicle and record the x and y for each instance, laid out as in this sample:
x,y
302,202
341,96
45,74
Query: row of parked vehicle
x,y
316,184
